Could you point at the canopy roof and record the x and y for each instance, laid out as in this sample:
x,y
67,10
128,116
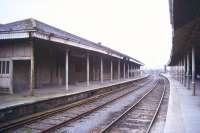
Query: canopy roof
x,y
185,20
34,28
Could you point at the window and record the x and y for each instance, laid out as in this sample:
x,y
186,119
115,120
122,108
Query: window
x,y
4,67
7,67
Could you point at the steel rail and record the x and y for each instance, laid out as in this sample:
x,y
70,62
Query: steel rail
x,y
53,128
157,109
109,126
40,116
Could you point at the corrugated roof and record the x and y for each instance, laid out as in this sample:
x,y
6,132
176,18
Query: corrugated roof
x,y
35,25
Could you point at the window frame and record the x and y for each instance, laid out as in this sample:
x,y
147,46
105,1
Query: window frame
x,y
5,67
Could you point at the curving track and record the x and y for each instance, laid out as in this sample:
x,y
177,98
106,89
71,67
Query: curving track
x,y
141,115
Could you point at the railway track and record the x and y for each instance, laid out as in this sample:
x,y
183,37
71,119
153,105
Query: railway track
x,y
52,120
141,115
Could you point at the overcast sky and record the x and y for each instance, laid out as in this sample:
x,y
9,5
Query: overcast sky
x,y
138,28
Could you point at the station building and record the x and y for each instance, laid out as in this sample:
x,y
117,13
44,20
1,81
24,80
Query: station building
x,y
34,55
185,53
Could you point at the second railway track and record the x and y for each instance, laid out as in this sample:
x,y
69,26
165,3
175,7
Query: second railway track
x,y
76,126
140,116
59,118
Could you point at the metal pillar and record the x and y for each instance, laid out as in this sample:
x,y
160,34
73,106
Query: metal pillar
x,y
11,77
180,74
188,71
119,70
32,71
88,69
124,70
128,71
101,70
111,70
67,70
185,76
188,64
134,68
193,71
131,71
181,70
94,72
178,71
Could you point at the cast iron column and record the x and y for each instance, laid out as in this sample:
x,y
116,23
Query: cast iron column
x,y
101,70
11,76
119,70
128,70
111,70
88,69
193,71
185,76
188,71
67,70
32,71
124,70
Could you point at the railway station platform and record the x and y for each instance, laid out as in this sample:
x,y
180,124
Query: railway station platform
x,y
183,109
55,91
16,106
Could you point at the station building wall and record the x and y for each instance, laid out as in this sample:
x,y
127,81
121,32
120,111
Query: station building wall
x,y
10,53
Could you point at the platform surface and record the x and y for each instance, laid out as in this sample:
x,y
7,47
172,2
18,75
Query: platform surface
x,y
183,114
57,91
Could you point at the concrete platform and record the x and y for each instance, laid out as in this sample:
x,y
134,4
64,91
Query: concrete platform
x,y
55,91
183,114
17,106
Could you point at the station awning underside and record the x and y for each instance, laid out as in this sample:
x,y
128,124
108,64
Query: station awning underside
x,y
183,40
183,11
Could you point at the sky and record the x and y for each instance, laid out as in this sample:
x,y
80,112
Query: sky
x,y
138,28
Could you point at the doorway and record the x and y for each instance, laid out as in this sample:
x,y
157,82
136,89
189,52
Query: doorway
x,y
21,76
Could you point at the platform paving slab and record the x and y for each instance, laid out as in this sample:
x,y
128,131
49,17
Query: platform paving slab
x,y
183,114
